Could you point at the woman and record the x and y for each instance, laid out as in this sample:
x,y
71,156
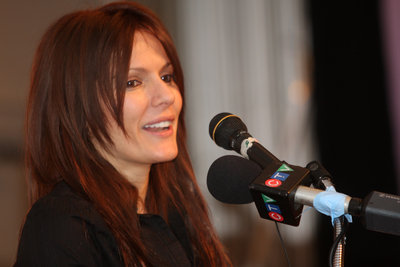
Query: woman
x,y
107,166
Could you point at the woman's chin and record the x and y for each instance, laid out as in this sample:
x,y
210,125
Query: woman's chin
x,y
166,156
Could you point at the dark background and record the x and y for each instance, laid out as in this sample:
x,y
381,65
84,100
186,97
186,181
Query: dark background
x,y
352,119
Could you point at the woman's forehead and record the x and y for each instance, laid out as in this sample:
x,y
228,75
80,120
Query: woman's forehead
x,y
147,49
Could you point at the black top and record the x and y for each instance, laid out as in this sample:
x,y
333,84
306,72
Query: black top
x,y
63,229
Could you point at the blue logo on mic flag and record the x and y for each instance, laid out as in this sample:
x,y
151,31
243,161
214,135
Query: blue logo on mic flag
x,y
272,207
280,176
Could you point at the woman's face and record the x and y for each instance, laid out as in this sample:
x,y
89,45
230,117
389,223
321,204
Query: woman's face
x,y
151,109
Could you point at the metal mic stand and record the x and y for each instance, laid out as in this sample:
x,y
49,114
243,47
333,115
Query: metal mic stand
x,y
322,179
338,258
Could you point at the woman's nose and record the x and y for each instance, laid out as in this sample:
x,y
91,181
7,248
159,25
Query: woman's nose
x,y
163,93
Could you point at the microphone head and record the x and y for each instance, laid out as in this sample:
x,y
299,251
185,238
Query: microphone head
x,y
229,177
223,129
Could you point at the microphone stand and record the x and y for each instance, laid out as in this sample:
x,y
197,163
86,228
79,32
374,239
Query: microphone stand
x,y
338,258
321,179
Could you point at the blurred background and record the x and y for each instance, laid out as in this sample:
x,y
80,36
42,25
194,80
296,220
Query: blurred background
x,y
313,80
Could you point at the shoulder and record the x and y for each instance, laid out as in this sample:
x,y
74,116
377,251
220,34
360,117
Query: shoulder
x,y
61,203
64,227
62,208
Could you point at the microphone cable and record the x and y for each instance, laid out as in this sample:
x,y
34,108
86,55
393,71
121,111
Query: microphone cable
x,y
283,245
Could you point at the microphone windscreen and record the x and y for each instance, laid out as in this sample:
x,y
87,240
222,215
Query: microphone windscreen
x,y
229,177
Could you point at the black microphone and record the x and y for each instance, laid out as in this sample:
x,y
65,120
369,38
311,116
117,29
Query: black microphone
x,y
235,180
279,189
229,177
229,131
272,190
232,179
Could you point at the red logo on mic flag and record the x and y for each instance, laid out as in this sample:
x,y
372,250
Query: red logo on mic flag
x,y
275,216
273,183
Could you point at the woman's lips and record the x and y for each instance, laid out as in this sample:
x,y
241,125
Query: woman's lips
x,y
158,126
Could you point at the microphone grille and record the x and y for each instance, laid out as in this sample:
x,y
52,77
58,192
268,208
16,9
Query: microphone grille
x,y
223,127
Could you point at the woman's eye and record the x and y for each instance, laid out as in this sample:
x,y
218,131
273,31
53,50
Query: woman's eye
x,y
168,78
133,83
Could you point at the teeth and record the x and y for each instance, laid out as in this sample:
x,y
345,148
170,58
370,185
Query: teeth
x,y
162,124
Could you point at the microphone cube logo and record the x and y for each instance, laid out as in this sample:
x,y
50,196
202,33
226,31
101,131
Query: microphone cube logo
x,y
276,179
267,199
285,168
273,189
280,176
274,212
273,183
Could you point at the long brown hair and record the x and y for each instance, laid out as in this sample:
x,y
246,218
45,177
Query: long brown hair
x,y
80,69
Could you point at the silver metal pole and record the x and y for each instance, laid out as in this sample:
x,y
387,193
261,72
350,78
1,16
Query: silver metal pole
x,y
338,260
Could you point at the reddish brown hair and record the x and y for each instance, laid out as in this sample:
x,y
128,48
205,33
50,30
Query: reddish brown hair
x,y
79,62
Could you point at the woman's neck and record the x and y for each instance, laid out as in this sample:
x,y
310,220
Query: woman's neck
x,y
138,177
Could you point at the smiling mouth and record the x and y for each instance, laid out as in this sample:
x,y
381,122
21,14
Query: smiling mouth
x,y
159,126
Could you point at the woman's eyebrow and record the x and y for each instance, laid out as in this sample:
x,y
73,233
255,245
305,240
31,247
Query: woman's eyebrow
x,y
138,69
167,65
144,70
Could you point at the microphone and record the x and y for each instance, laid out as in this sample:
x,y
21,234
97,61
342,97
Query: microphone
x,y
229,177
279,189
233,180
229,131
272,191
